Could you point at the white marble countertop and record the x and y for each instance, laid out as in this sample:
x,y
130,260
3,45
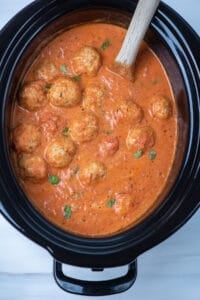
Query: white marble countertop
x,y
169,271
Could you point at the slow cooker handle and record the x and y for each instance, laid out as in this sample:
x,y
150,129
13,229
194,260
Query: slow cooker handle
x,y
95,288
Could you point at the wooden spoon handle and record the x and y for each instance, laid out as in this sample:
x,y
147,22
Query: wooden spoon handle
x,y
139,24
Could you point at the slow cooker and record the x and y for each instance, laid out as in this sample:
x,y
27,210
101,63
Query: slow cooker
x,y
177,46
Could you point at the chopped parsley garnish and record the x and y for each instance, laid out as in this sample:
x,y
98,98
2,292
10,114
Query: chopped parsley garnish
x,y
54,179
76,170
106,44
154,81
110,202
63,69
152,154
138,154
65,131
107,132
77,78
47,86
67,211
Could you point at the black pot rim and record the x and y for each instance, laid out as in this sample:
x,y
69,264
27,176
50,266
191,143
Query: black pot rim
x,y
125,247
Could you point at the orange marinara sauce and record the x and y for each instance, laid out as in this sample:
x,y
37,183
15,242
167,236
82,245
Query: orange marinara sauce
x,y
117,141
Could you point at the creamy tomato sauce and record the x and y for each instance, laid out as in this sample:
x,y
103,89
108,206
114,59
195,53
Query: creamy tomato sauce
x,y
93,150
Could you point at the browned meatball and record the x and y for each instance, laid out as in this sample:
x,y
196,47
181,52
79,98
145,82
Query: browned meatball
x,y
161,107
130,111
93,96
46,71
32,167
87,61
92,172
109,146
26,138
64,92
33,95
123,203
140,138
60,152
84,128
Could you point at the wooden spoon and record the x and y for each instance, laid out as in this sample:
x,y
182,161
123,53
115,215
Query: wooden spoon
x,y
141,19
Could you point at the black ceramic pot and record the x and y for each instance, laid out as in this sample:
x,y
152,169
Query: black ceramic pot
x,y
178,47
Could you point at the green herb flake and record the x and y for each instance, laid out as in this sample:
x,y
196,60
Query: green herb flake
x,y
154,81
107,132
65,131
63,69
138,154
110,202
106,44
77,78
152,154
47,86
67,211
76,170
54,179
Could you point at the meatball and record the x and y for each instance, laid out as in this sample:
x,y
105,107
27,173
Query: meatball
x,y
140,138
109,146
46,71
60,152
161,107
92,172
64,92
32,167
33,95
123,203
87,61
93,96
84,128
130,111
26,138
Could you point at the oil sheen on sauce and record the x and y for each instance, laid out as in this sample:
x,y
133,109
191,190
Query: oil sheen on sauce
x,y
133,179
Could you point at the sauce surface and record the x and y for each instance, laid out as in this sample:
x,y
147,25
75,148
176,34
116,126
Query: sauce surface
x,y
93,150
